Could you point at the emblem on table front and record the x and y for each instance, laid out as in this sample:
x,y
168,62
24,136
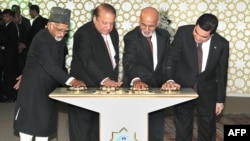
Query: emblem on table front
x,y
123,135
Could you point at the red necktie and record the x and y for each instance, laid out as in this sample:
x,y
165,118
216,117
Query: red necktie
x,y
150,43
199,54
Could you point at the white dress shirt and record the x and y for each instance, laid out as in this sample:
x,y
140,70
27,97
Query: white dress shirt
x,y
205,50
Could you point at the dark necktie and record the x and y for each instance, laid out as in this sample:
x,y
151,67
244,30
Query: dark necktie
x,y
150,43
199,54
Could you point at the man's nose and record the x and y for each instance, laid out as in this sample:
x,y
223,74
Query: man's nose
x,y
109,26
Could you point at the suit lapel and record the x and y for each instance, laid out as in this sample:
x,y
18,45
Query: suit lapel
x,y
160,45
142,44
147,49
193,50
115,43
103,48
190,48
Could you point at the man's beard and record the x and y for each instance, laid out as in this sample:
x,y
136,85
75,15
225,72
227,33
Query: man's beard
x,y
146,35
58,38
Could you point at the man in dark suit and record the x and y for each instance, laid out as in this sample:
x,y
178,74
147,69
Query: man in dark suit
x,y
143,66
209,80
22,38
23,20
38,23
95,61
35,112
11,64
2,39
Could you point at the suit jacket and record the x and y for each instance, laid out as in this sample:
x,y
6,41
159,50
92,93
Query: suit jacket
x,y
22,34
182,64
39,23
35,112
26,22
91,62
2,40
11,44
22,39
138,60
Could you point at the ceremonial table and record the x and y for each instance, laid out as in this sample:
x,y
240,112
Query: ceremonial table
x,y
123,112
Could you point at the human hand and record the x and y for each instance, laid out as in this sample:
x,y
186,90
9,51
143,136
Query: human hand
x,y
77,83
170,85
16,86
139,85
21,46
111,83
218,108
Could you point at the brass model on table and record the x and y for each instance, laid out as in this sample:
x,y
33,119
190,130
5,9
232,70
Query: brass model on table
x,y
122,91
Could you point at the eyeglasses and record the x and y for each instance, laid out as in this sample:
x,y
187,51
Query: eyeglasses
x,y
64,31
61,30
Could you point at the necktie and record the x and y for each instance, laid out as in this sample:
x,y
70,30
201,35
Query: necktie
x,y
109,51
150,43
199,54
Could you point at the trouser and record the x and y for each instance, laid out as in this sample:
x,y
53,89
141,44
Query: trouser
x,y
184,118
83,124
11,72
156,125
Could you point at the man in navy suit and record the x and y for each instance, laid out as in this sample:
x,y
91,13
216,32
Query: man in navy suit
x,y
143,65
95,61
209,82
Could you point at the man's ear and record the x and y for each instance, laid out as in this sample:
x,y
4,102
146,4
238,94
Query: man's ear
x,y
49,25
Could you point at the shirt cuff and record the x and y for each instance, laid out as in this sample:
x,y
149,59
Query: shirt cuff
x,y
133,80
104,80
69,80
169,81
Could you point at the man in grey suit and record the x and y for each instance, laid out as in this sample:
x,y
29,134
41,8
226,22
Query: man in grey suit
x,y
143,65
95,61
35,112
208,78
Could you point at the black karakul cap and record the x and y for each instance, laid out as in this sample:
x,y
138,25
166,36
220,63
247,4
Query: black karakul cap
x,y
60,15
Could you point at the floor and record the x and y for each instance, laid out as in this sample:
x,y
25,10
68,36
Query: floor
x,y
7,133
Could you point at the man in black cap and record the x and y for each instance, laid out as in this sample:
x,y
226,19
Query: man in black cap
x,y
35,113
